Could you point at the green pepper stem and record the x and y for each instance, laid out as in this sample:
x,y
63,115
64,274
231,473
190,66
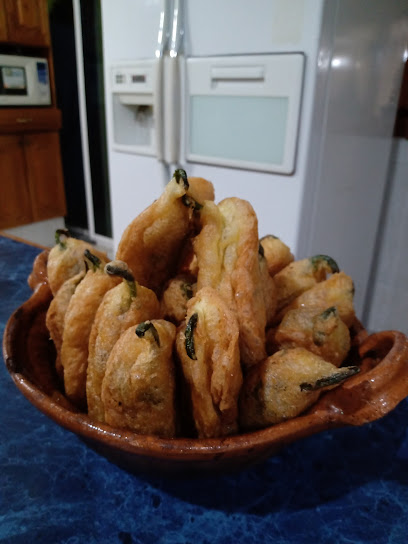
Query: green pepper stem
x,y
180,174
61,236
189,335
328,312
331,263
327,381
93,259
146,326
119,268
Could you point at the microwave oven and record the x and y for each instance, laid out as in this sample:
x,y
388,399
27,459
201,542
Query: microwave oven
x,y
24,81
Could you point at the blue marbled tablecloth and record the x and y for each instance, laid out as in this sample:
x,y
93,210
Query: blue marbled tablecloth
x,y
344,486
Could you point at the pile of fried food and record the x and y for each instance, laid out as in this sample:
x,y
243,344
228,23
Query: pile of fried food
x,y
198,327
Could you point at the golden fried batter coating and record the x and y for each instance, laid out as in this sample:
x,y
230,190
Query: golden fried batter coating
x,y
66,259
227,250
268,288
208,348
337,290
201,189
152,243
299,276
209,249
285,385
122,306
78,324
175,297
55,317
322,333
277,254
138,390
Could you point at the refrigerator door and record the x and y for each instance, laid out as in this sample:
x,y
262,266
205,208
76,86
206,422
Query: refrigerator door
x,y
135,37
262,28
135,29
243,111
240,27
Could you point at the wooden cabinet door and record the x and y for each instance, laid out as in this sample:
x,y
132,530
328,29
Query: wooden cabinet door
x,y
15,206
44,175
3,23
27,22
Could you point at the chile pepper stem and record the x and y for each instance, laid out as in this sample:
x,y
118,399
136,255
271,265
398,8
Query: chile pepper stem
x,y
146,326
119,268
189,335
327,381
61,236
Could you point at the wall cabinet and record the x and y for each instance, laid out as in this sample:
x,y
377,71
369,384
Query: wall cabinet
x,y
24,22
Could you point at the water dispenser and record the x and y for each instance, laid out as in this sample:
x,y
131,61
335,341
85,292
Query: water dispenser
x,y
136,107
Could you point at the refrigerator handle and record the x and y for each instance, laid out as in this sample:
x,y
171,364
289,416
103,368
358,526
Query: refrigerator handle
x,y
163,40
159,107
177,29
165,26
172,85
171,117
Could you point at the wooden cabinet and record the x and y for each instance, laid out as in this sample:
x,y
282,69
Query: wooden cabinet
x,y
44,175
15,205
25,22
3,24
31,179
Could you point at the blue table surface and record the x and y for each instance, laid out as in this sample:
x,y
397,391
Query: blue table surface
x,y
344,486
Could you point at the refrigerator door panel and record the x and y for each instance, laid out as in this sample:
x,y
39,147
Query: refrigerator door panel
x,y
136,181
275,201
137,28
244,111
241,27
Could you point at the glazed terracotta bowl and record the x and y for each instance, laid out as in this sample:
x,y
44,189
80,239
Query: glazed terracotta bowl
x,y
29,356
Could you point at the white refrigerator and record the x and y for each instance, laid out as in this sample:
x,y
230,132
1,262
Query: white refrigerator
x,y
287,104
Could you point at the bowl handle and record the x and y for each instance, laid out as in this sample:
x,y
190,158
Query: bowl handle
x,y
378,388
38,275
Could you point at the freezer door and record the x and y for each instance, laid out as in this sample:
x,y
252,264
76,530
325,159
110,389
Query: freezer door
x,y
135,29
244,111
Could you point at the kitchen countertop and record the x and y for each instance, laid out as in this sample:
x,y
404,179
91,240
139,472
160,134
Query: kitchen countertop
x,y
345,486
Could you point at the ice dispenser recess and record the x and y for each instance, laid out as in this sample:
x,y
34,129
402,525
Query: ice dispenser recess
x,y
244,111
135,90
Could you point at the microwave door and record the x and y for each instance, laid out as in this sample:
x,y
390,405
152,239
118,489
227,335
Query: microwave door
x,y
13,81
24,81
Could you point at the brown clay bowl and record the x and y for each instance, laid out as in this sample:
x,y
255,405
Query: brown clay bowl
x,y
29,356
